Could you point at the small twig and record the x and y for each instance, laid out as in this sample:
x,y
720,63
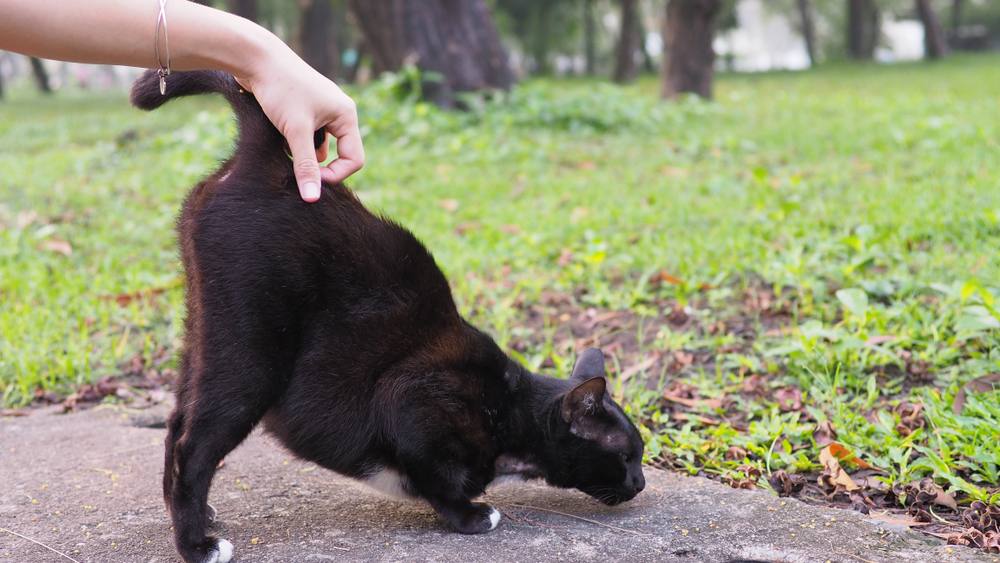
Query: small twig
x,y
602,524
57,552
858,557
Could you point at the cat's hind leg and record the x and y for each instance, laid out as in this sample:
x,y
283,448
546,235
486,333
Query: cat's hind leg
x,y
224,399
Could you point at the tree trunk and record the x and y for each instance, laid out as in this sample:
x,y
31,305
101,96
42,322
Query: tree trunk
x,y
41,75
455,39
589,37
808,29
688,57
316,40
956,15
935,45
540,37
243,8
863,29
628,43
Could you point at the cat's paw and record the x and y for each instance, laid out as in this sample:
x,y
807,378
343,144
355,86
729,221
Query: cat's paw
x,y
481,519
221,553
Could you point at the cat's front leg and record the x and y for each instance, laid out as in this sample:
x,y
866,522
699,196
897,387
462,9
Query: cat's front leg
x,y
467,517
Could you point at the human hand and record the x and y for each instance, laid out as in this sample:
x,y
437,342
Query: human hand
x,y
299,101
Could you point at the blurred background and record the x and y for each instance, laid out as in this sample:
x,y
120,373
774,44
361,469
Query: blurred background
x,y
779,219
354,41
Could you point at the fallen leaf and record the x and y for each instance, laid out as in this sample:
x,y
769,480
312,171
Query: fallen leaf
x,y
789,398
694,403
664,276
843,454
751,474
911,417
879,339
688,417
982,516
982,384
58,246
924,493
463,228
833,478
735,453
565,258
449,205
25,218
639,367
824,434
896,519
510,229
784,484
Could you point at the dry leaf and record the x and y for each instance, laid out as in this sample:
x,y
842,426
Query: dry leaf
x,y
664,276
844,454
789,398
735,453
824,434
982,384
833,477
879,339
639,367
58,245
449,205
784,484
896,519
510,229
693,403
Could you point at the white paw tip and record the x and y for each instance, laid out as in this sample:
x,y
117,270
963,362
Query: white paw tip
x,y
494,518
225,551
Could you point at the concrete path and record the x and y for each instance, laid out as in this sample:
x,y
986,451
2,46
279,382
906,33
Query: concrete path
x,y
87,485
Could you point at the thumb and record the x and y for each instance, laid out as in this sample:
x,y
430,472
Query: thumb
x,y
305,165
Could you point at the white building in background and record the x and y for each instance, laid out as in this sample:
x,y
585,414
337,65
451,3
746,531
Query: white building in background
x,y
767,39
764,40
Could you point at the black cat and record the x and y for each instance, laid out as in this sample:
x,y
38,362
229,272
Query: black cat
x,y
337,329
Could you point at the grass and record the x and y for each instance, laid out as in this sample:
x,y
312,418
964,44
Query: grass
x,y
847,219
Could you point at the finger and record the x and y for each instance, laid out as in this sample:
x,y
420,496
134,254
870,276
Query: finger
x,y
323,151
350,156
305,165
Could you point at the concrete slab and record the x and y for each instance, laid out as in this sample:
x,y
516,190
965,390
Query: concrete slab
x,y
87,485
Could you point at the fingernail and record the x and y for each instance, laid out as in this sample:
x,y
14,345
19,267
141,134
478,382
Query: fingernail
x,y
310,191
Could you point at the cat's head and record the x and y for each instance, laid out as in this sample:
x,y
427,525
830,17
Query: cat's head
x,y
595,448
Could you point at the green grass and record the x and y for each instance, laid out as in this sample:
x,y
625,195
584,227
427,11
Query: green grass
x,y
883,182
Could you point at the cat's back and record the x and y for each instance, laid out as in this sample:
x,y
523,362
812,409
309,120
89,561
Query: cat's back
x,y
241,224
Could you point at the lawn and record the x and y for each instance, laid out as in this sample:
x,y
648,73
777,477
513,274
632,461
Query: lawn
x,y
810,248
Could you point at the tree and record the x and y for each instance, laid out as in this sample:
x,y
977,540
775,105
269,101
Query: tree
x,y
41,75
956,15
935,45
589,37
243,8
453,39
688,57
863,29
629,39
808,29
317,39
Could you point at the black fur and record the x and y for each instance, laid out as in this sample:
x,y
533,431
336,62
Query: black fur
x,y
337,329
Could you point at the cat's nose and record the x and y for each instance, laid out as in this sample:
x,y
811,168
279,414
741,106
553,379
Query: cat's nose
x,y
638,483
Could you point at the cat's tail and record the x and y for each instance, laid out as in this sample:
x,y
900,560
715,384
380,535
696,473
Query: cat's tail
x,y
258,139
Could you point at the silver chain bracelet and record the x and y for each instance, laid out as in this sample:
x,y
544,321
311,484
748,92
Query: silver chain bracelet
x,y
164,70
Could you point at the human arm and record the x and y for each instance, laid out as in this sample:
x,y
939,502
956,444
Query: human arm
x,y
296,98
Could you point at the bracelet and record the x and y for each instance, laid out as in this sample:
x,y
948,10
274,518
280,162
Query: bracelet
x,y
164,70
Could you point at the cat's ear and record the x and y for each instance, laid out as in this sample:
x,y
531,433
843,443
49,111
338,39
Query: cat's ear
x,y
586,399
590,364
